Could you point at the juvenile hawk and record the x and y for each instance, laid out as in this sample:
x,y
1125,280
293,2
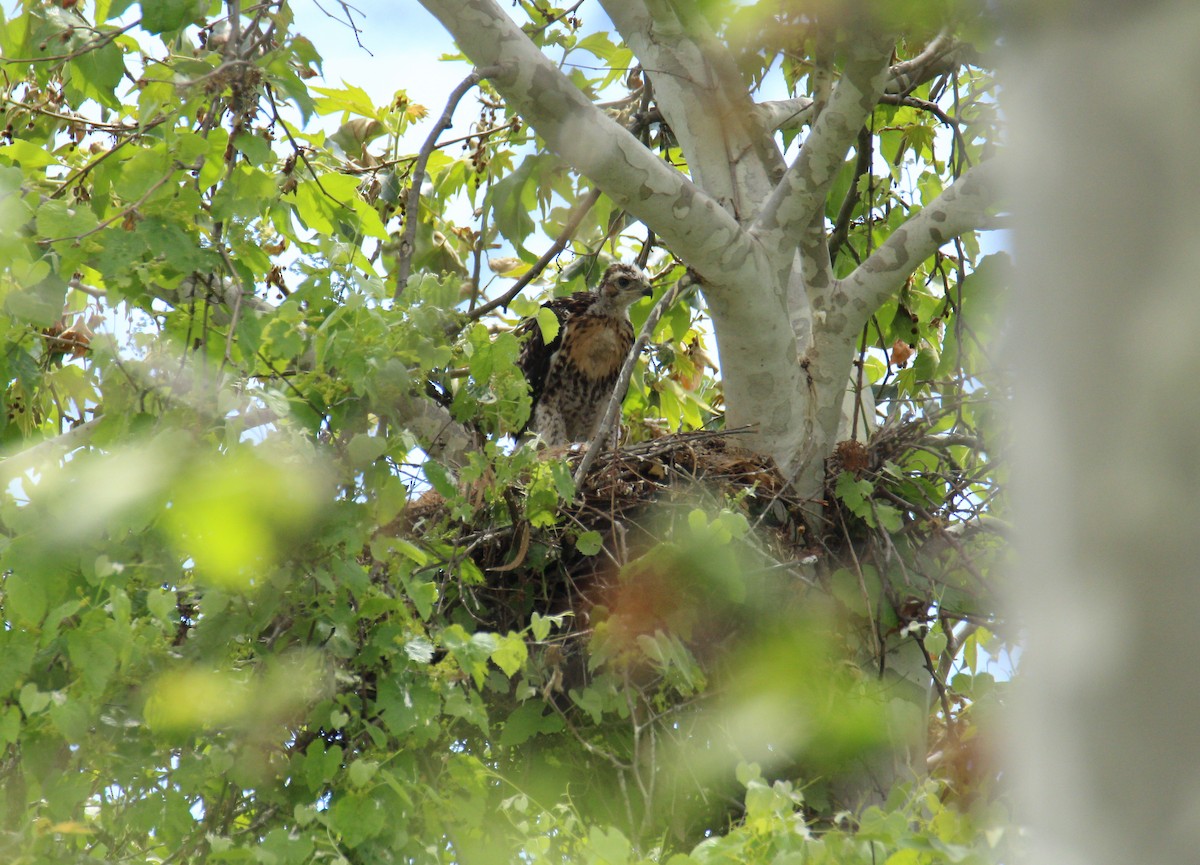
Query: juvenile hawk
x,y
572,378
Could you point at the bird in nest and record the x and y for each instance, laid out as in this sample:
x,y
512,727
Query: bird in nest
x,y
572,376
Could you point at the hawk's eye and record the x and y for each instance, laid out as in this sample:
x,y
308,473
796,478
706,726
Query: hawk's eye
x,y
623,282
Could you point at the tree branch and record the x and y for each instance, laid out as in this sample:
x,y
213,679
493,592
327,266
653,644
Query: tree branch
x,y
412,210
963,206
704,100
560,243
442,437
841,227
35,456
777,114
692,224
791,213
941,55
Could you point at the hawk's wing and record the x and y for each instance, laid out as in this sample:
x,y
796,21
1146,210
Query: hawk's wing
x,y
536,353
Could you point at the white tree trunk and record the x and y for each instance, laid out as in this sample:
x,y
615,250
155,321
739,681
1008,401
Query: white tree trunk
x,y
1107,732
752,228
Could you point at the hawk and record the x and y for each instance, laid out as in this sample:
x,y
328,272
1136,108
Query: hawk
x,y
572,377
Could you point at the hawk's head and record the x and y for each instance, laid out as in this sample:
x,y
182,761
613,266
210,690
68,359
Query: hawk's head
x,y
622,284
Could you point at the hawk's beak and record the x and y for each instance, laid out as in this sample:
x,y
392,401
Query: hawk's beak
x,y
646,289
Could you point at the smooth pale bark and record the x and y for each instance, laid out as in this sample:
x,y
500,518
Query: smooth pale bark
x,y
701,95
1105,729
962,207
753,231
747,292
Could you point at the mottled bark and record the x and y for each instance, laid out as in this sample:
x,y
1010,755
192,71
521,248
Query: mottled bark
x,y
752,229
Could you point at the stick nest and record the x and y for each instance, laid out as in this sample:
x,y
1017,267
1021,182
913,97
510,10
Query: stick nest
x,y
628,498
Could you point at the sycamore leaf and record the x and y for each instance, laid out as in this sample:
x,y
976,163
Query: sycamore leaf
x,y
548,324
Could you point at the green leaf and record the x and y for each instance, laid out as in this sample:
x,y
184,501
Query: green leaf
x,y
162,604
25,598
28,155
528,720
510,654
548,324
97,72
356,817
419,649
423,594
40,305
855,493
254,147
935,643
608,847
540,625
10,726
32,700
362,771
513,197
159,16
589,543
890,519
365,449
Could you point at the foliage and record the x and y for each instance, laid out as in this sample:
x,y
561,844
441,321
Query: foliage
x,y
241,617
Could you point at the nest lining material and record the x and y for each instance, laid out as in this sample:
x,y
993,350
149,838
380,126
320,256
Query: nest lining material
x,y
540,569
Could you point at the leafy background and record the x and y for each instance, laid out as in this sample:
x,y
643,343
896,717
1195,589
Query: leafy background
x,y
212,388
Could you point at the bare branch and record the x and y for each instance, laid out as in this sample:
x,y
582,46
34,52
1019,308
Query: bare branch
x,y
841,227
779,114
560,243
689,221
35,456
412,210
442,437
940,56
964,206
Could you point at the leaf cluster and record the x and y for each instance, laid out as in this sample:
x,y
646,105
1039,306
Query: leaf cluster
x,y
248,604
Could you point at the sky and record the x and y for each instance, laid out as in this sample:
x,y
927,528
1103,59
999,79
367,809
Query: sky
x,y
403,41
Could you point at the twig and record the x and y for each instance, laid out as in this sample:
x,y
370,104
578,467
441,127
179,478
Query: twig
x,y
936,110
618,394
298,150
412,210
122,214
841,227
560,243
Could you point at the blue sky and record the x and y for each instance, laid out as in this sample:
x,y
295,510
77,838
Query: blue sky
x,y
404,42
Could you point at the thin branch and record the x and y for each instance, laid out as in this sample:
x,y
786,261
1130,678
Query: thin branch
x,y
79,174
163,181
298,150
963,206
85,48
777,114
349,22
560,243
841,228
618,395
33,456
412,211
936,110
940,56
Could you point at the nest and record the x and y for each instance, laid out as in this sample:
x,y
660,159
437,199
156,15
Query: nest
x,y
625,497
